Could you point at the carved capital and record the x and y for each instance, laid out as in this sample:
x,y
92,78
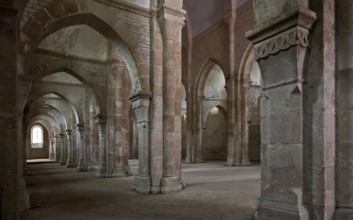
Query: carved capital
x,y
231,82
229,18
288,32
100,119
141,99
69,132
294,37
141,104
164,10
80,128
171,19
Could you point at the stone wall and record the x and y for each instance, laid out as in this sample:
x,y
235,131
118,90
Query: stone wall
x,y
215,136
39,153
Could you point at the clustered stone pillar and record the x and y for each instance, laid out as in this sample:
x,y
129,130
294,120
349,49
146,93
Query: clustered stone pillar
x,y
197,151
94,145
243,117
9,155
233,138
22,91
101,171
121,117
63,152
8,178
171,18
156,113
82,165
344,166
58,148
281,55
70,150
190,155
232,154
141,104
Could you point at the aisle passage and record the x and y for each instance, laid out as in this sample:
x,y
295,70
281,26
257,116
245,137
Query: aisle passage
x,y
213,191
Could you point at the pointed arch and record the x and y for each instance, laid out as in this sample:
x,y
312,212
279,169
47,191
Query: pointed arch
x,y
79,74
203,74
75,12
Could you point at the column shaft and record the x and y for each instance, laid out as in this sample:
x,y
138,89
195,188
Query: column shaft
x,y
101,171
344,103
70,150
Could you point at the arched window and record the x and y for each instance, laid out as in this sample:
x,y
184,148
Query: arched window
x,y
37,137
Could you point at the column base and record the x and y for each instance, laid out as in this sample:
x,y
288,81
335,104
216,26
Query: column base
x,y
237,164
101,172
118,172
62,163
82,167
245,162
200,160
92,166
142,184
276,210
70,164
344,213
189,160
230,162
155,189
23,196
171,185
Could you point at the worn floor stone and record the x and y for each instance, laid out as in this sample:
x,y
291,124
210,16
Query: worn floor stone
x,y
214,192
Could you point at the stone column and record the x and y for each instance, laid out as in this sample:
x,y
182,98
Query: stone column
x,y
157,103
63,150
82,165
57,148
280,50
141,106
233,125
8,120
101,171
197,151
52,148
121,117
70,150
243,121
171,19
233,152
22,87
320,152
190,155
344,103
94,145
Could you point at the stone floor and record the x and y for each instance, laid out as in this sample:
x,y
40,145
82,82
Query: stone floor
x,y
213,191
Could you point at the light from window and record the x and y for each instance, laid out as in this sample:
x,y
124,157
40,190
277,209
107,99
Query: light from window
x,y
37,137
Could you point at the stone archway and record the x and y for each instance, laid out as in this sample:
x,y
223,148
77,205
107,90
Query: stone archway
x,y
215,134
249,106
56,16
199,103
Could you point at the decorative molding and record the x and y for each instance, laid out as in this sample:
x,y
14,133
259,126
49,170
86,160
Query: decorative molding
x,y
59,55
294,37
127,7
231,82
167,10
100,118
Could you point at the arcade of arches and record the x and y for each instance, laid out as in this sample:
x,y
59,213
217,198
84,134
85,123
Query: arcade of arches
x,y
95,84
